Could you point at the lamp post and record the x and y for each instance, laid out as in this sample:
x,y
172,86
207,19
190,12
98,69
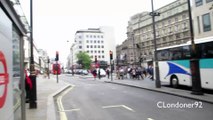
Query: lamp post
x,y
194,61
72,62
134,53
157,76
33,96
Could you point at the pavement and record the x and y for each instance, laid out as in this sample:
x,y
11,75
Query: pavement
x,y
48,88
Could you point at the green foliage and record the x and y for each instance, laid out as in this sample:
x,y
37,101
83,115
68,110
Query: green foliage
x,y
84,60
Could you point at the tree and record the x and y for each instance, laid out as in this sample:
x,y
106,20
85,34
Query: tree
x,y
84,60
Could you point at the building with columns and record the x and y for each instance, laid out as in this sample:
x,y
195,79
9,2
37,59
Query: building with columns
x,y
172,28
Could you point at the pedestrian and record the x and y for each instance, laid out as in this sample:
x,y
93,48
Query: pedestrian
x,y
28,85
99,73
133,73
94,72
121,71
108,71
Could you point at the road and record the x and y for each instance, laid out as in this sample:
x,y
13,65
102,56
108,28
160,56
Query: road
x,y
90,99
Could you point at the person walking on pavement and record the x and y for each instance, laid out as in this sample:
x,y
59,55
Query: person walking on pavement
x,y
28,85
99,73
94,72
107,71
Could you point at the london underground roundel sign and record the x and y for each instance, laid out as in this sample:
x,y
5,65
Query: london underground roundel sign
x,y
4,80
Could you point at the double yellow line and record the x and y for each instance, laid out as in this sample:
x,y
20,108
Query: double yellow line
x,y
60,105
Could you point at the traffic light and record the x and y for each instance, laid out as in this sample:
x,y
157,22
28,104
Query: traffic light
x,y
57,56
111,55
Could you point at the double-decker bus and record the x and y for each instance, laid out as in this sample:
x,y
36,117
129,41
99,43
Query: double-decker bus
x,y
56,68
174,63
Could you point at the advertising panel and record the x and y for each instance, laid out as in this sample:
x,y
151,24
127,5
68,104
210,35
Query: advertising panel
x,y
6,67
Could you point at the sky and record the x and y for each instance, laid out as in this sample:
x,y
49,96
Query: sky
x,y
56,21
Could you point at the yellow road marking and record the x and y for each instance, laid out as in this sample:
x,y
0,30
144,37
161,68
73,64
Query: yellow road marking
x,y
150,119
71,110
60,105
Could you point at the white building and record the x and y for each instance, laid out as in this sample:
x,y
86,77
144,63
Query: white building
x,y
96,42
203,18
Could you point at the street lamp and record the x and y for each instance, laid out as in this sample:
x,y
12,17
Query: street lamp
x,y
157,76
33,96
194,61
134,53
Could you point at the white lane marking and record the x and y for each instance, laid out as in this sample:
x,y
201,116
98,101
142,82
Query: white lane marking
x,y
113,106
60,105
128,108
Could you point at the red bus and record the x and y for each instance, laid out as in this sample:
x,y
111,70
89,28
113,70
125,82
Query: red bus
x,y
56,68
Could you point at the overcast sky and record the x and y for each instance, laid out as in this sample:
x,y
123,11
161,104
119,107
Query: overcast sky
x,y
56,21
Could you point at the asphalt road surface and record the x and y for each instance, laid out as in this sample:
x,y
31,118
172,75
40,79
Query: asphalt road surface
x,y
90,99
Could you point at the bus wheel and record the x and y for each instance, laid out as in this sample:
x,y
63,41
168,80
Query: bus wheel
x,y
174,81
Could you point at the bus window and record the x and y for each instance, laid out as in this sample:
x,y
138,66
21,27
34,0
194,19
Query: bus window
x,y
176,53
163,55
186,52
208,50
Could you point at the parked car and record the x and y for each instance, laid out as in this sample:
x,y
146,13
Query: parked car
x,y
84,72
102,72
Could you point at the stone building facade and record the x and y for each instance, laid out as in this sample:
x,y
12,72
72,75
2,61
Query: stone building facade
x,y
172,28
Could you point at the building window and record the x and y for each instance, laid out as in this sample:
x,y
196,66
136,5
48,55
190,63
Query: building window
x,y
95,51
176,28
102,56
94,41
98,46
80,47
91,51
87,41
170,29
102,41
80,42
198,2
177,36
164,39
102,46
102,51
176,19
87,46
163,24
169,22
184,16
184,25
90,41
206,22
87,36
87,51
91,46
207,1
